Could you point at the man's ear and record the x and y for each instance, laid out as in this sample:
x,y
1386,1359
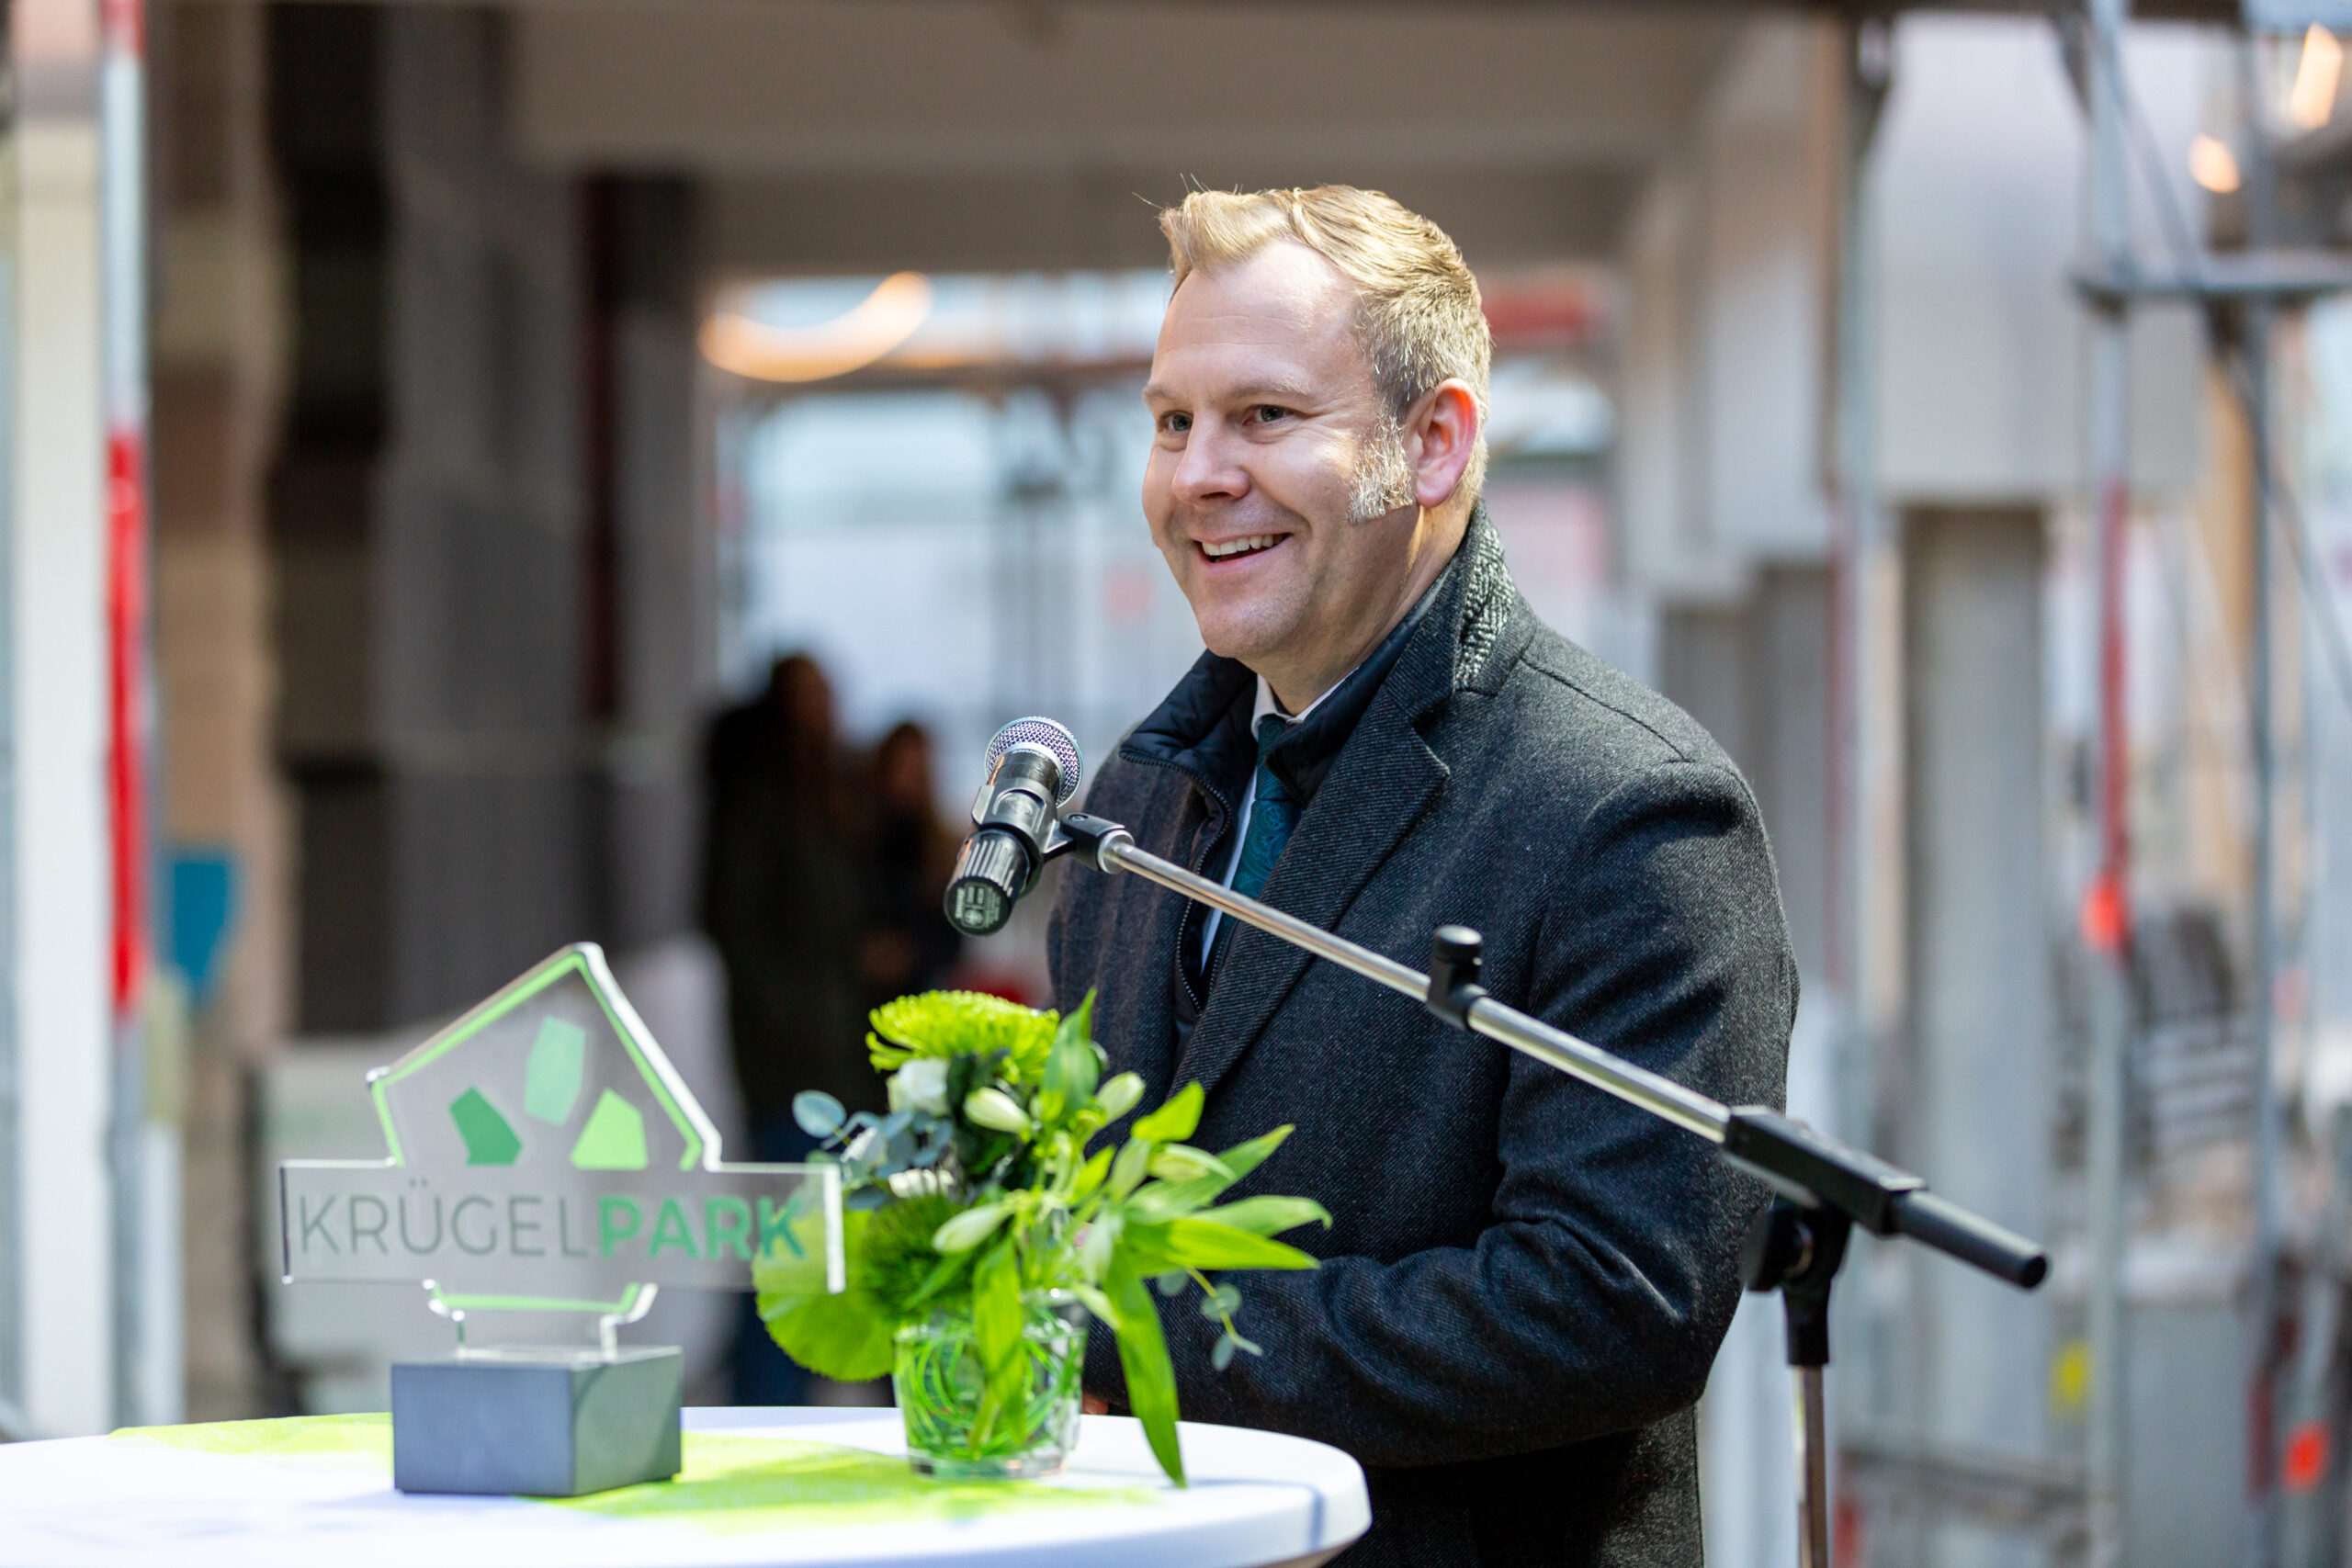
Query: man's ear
x,y
1441,432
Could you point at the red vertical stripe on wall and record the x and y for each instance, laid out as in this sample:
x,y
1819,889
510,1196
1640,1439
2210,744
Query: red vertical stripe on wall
x,y
126,705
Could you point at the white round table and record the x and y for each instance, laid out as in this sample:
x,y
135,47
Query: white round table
x,y
1256,1498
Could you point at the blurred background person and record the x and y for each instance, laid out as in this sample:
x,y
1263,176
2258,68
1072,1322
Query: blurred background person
x,y
781,900
908,945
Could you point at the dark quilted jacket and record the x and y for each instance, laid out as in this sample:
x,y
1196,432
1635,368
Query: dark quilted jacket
x,y
1526,1281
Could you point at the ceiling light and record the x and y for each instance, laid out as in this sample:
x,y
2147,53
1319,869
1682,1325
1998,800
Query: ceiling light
x,y
876,324
2213,165
2312,99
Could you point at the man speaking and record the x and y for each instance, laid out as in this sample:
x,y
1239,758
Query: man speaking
x,y
1526,1281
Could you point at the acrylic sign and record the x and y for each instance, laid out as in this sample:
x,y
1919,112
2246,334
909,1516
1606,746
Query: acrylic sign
x,y
546,1158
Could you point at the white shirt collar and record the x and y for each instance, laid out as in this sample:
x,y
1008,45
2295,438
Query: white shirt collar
x,y
1266,703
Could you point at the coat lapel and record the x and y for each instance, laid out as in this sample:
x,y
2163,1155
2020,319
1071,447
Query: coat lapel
x,y
1383,780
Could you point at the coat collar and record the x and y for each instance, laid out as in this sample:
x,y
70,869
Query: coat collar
x,y
1380,784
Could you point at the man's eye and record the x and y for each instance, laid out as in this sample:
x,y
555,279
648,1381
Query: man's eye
x,y
1268,413
1175,423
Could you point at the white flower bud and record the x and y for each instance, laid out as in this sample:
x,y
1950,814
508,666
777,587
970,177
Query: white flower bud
x,y
995,1109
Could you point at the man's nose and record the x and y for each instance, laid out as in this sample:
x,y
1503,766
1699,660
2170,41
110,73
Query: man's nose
x,y
1210,466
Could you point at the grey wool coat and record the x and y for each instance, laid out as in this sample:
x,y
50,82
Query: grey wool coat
x,y
1526,1281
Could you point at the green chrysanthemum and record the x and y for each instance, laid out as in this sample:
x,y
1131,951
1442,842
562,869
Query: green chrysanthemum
x,y
959,1023
896,1258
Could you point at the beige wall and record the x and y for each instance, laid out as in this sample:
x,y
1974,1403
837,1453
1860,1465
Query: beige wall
x,y
218,333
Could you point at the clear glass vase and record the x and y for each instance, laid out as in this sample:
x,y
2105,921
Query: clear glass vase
x,y
939,1380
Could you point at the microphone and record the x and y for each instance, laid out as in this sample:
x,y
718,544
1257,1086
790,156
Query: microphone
x,y
1033,769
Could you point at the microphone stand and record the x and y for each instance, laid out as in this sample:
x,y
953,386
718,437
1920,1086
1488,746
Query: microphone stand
x,y
1823,1188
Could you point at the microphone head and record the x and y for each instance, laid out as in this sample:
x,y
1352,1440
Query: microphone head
x,y
1048,736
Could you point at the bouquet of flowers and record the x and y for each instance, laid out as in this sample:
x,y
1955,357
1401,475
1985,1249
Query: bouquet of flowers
x,y
975,1205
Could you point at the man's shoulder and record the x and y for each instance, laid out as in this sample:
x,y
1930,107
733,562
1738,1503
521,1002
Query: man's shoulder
x,y
1570,708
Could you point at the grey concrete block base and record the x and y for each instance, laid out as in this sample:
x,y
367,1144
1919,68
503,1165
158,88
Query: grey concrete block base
x,y
536,1424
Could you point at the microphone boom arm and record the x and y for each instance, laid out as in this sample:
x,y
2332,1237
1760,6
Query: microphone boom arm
x,y
1824,1187
1812,1171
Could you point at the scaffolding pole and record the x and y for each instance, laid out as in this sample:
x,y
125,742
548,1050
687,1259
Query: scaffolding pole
x,y
2255,284
2267,1339
2107,903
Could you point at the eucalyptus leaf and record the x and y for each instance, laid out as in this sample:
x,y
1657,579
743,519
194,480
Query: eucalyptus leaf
x,y
1174,1121
1221,1353
819,1113
1172,1283
1222,1301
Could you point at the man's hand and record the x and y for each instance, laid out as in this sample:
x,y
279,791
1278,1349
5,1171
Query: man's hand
x,y
1093,1405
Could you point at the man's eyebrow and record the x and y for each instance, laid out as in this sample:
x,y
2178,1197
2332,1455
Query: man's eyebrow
x,y
1279,391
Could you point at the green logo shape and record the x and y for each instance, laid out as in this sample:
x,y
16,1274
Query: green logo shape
x,y
489,1139
614,1138
552,1077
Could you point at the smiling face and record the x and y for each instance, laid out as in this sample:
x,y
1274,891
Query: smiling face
x,y
1290,505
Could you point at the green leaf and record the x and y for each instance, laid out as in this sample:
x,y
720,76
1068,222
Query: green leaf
x,y
1170,1284
1269,1216
1143,1356
1091,1175
1222,1301
1183,1162
1173,1122
997,1323
1173,1200
1101,1241
1221,1353
845,1337
1243,1158
1099,1305
1205,1244
1073,1067
1128,1169
1164,1200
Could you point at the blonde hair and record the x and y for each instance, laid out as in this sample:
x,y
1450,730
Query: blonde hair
x,y
1419,316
